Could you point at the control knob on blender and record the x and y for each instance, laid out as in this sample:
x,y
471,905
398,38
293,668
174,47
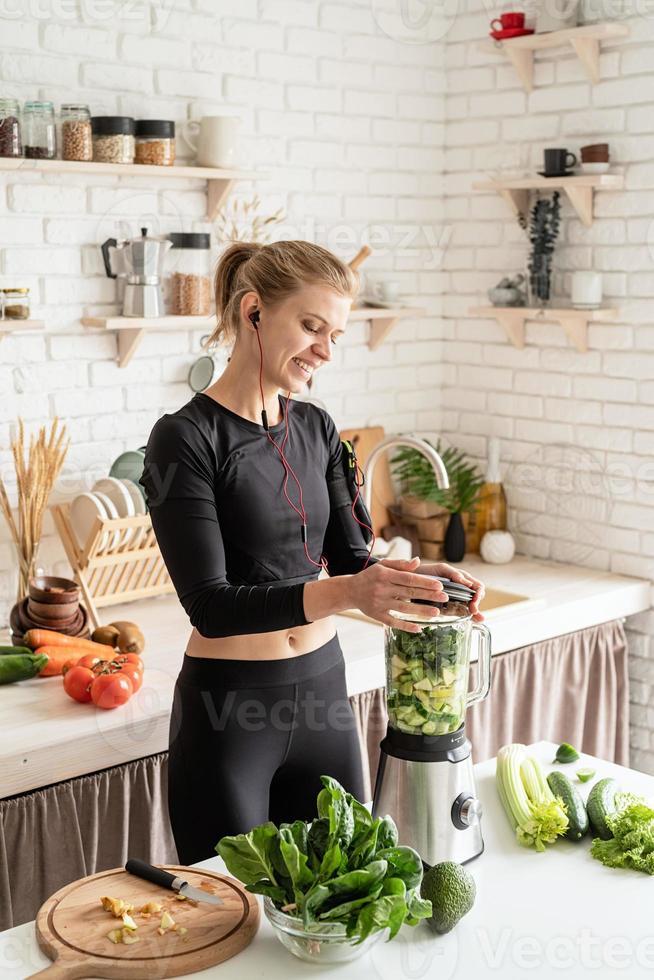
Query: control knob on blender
x,y
466,811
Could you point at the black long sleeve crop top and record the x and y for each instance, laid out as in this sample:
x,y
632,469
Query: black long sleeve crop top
x,y
230,540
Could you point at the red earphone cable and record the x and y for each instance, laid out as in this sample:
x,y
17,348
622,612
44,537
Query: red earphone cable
x,y
285,463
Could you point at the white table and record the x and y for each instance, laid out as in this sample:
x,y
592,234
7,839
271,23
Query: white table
x,y
560,913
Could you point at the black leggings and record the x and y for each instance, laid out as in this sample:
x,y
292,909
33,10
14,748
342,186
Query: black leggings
x,y
249,740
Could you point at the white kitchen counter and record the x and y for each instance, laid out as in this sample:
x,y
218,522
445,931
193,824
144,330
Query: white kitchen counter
x,y
47,737
537,916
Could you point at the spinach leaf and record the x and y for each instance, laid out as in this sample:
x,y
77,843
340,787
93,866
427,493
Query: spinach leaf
x,y
334,806
331,862
247,856
365,846
318,838
387,836
362,880
299,829
417,908
265,887
403,862
345,908
296,863
314,898
387,911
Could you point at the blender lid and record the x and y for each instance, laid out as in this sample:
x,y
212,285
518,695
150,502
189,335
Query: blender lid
x,y
455,591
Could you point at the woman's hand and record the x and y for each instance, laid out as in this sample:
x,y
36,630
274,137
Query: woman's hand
x,y
458,575
392,584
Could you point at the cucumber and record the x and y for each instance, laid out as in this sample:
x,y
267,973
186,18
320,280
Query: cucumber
x,y
561,786
601,802
8,651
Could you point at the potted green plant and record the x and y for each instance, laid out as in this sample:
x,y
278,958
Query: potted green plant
x,y
416,476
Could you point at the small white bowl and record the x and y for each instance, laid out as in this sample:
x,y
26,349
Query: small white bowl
x,y
595,168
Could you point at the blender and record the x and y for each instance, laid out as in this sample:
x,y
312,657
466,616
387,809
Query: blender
x,y
425,778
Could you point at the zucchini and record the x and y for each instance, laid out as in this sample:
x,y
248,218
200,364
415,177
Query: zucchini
x,y
7,651
561,786
601,802
20,667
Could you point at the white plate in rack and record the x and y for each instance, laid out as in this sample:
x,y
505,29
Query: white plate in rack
x,y
112,512
120,497
84,508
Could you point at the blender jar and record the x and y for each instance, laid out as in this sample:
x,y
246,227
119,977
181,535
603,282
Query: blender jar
x,y
427,672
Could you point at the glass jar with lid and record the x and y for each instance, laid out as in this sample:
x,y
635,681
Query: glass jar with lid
x,y
113,139
155,142
10,138
76,137
15,304
190,285
39,133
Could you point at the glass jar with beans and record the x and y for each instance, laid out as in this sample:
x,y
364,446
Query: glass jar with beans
x,y
10,137
39,132
15,304
113,139
76,138
190,281
155,142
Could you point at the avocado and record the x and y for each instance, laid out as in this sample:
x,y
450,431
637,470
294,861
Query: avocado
x,y
451,890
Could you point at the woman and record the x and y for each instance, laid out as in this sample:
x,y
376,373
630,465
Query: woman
x,y
245,490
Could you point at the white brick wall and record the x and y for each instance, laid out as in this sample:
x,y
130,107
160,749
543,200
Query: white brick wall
x,y
344,118
570,423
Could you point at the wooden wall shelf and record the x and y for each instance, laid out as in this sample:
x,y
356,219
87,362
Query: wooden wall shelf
x,y
20,326
219,181
131,329
574,322
579,190
585,42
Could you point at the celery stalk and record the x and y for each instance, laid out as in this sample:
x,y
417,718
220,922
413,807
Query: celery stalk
x,y
537,816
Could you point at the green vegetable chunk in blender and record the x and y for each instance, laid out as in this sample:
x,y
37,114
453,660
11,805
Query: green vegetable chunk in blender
x,y
425,779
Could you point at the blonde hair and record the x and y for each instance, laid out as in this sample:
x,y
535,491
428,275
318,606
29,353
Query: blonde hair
x,y
274,271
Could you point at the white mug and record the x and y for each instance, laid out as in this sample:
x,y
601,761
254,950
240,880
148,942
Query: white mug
x,y
217,140
586,290
385,290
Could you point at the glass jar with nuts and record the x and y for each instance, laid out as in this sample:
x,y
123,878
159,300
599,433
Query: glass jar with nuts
x,y
155,142
113,139
76,137
190,282
15,304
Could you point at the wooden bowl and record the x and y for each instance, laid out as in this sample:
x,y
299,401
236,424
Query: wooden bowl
x,y
52,589
52,612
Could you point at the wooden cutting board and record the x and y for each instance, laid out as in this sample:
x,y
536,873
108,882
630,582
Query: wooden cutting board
x,y
72,927
364,441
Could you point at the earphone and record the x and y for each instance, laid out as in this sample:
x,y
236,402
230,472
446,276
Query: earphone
x,y
254,319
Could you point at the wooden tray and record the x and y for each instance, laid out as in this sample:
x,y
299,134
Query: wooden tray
x,y
72,927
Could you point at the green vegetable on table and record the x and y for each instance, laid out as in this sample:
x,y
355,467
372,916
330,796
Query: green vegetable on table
x,y
344,866
451,890
585,775
536,814
575,810
601,803
20,666
632,843
427,679
566,753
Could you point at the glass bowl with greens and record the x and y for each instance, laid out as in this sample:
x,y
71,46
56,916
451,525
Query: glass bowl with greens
x,y
427,672
319,942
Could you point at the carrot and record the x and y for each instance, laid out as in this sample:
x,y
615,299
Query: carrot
x,y
38,637
57,657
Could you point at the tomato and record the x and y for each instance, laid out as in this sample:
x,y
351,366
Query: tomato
x,y
135,674
77,683
69,663
89,660
111,690
132,658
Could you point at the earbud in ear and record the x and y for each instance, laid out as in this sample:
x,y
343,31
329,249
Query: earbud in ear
x,y
254,319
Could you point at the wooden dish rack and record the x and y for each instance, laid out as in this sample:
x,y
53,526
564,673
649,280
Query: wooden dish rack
x,y
126,569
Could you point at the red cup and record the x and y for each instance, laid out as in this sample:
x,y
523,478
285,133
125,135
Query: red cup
x,y
508,22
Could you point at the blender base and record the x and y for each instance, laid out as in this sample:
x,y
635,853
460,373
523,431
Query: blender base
x,y
427,786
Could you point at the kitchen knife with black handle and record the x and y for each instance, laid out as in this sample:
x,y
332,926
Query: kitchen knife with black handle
x,y
164,878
